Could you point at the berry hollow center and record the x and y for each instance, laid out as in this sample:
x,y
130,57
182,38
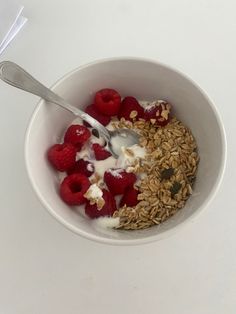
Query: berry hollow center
x,y
75,187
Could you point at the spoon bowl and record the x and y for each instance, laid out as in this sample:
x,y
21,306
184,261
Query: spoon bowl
x,y
121,138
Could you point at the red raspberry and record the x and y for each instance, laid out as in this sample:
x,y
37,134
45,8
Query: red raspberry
x,y
150,112
93,112
107,210
100,152
77,135
156,112
83,167
108,101
78,146
117,180
73,188
130,197
130,104
62,156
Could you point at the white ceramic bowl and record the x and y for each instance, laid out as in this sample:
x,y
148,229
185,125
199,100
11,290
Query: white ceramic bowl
x,y
144,79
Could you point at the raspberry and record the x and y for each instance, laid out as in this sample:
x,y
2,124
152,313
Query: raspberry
x,y
93,112
117,180
107,210
73,188
130,197
128,105
150,113
100,152
83,167
160,112
62,156
79,146
108,101
77,135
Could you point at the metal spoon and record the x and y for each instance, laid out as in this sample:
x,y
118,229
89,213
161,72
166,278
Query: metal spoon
x,y
14,75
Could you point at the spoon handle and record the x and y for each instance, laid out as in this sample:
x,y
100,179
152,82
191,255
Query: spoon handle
x,y
14,75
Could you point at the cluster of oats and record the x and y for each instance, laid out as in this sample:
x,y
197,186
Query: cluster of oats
x,y
166,174
94,195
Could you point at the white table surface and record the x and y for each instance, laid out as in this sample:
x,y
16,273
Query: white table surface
x,y
45,268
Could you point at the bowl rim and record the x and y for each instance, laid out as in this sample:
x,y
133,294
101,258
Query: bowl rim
x,y
165,233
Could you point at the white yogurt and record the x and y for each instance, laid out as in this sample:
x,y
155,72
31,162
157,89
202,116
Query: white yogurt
x,y
107,222
85,153
94,191
125,160
102,165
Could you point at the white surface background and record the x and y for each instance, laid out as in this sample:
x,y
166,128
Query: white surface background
x,y
44,268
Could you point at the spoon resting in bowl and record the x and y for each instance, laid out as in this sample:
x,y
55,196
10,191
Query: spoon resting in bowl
x,y
14,75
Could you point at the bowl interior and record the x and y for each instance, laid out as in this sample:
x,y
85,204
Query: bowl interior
x,y
145,80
